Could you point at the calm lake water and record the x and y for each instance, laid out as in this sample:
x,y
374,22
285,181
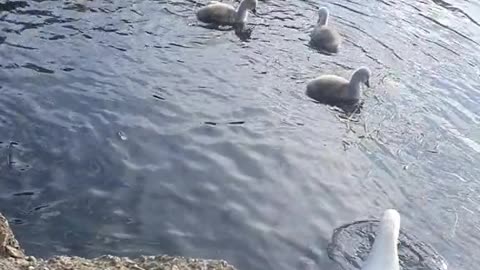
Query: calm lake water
x,y
128,128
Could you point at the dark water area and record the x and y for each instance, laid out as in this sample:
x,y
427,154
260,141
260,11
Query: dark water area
x,y
128,128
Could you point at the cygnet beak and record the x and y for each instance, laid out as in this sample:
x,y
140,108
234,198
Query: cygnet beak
x,y
367,83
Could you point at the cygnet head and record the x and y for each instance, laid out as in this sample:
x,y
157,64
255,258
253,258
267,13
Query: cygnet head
x,y
323,15
361,75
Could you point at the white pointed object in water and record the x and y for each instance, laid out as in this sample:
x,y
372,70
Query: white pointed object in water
x,y
224,14
323,36
384,253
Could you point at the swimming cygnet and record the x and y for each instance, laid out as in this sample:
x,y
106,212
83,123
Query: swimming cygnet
x,y
384,253
332,88
224,14
324,37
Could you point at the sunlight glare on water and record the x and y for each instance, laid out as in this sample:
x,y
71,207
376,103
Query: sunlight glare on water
x,y
126,127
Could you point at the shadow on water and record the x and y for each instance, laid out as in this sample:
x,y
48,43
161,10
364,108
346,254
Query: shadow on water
x,y
348,107
242,31
127,129
12,5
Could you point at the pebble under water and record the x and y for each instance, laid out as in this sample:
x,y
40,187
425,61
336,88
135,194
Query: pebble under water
x,y
128,128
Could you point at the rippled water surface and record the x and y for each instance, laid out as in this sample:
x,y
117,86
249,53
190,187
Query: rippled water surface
x,y
128,128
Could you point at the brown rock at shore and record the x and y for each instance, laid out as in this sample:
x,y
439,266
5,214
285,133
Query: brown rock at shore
x,y
13,257
9,247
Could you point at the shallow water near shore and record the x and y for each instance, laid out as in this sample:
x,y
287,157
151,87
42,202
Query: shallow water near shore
x,y
128,128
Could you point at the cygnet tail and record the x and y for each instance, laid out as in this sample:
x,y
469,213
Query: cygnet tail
x,y
384,253
203,15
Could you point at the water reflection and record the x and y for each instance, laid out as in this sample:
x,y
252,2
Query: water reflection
x,y
224,156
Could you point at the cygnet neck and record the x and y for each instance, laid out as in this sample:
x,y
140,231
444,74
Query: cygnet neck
x,y
242,12
354,89
323,20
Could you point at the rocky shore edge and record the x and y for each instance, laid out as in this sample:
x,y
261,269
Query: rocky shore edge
x,y
12,256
